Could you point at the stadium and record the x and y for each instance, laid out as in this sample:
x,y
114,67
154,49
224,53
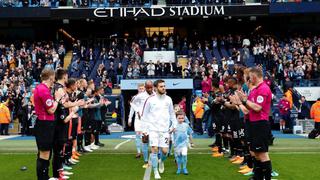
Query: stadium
x,y
161,89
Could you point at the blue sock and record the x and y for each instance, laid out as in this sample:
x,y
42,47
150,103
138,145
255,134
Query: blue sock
x,y
184,161
170,148
163,156
154,160
159,153
138,143
145,151
178,160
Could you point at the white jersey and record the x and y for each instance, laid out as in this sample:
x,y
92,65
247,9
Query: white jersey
x,y
138,101
137,104
158,114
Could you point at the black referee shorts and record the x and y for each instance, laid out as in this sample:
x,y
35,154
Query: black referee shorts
x,y
44,133
259,136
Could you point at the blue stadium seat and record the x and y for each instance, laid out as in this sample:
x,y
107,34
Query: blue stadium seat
x,y
224,52
216,54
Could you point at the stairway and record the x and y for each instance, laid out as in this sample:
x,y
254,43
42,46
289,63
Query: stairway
x,y
162,2
116,91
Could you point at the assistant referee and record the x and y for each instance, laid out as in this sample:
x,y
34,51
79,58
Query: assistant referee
x,y
45,106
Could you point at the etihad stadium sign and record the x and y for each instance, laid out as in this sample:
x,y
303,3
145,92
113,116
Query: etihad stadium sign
x,y
159,12
173,11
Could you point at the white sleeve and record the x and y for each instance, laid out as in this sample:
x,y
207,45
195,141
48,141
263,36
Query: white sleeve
x,y
144,116
130,115
134,102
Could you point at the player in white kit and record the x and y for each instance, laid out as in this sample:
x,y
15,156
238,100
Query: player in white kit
x,y
137,104
157,116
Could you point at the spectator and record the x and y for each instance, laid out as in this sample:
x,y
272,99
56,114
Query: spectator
x,y
75,66
303,110
112,75
143,70
151,69
50,65
158,69
129,71
136,70
284,109
119,73
182,104
178,69
206,84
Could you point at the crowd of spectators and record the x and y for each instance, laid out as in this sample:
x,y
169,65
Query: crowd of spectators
x,y
21,64
286,59
295,59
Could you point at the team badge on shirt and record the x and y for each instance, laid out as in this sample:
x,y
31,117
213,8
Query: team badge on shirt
x,y
260,99
49,102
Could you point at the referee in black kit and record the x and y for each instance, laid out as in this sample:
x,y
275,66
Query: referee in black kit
x,y
259,104
45,107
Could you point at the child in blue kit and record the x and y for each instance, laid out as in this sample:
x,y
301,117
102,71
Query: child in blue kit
x,y
182,134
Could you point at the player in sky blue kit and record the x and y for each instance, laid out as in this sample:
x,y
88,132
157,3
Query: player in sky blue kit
x,y
182,134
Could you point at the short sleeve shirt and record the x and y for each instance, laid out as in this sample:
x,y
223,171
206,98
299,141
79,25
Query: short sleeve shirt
x,y
262,96
43,101
181,135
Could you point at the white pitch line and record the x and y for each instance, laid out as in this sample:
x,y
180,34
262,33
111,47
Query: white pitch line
x,y
122,143
147,173
8,137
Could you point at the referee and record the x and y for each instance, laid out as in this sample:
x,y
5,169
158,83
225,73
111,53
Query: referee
x,y
258,103
45,106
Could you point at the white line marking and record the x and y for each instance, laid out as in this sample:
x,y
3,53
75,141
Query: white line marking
x,y
8,137
147,173
122,143
129,136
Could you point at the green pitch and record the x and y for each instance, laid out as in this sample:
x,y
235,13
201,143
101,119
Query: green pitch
x,y
293,158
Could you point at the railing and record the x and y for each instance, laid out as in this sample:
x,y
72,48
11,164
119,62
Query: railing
x,y
306,82
293,1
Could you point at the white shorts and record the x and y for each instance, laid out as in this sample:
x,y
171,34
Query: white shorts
x,y
159,139
181,151
137,125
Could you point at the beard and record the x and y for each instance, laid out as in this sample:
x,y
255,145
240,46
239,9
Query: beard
x,y
162,92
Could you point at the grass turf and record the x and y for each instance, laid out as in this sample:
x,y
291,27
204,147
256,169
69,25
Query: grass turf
x,y
292,158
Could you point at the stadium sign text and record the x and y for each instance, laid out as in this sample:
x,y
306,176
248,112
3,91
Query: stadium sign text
x,y
174,11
